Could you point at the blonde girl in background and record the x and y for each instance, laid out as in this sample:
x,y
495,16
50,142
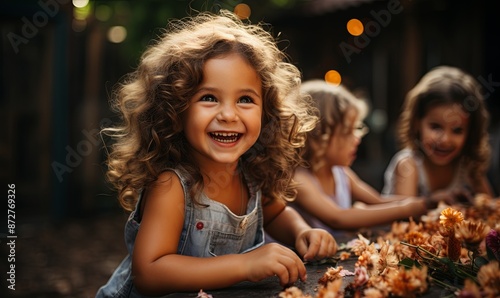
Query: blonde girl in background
x,y
211,124
444,138
327,185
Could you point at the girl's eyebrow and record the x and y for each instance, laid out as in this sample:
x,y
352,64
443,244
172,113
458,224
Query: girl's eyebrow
x,y
248,90
213,89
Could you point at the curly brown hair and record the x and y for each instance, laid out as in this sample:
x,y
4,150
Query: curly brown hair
x,y
332,104
449,85
150,139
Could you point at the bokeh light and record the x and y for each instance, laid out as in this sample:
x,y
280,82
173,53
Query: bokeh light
x,y
81,13
355,27
333,77
378,120
117,34
243,11
80,3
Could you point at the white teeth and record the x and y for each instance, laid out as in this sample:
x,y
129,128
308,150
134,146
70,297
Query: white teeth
x,y
225,137
225,134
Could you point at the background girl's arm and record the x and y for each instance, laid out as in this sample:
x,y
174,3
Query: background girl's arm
x,y
406,178
314,201
363,192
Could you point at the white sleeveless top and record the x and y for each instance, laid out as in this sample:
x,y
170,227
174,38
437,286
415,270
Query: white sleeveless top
x,y
342,198
342,188
460,179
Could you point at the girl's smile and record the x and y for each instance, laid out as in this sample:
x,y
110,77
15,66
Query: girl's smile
x,y
225,137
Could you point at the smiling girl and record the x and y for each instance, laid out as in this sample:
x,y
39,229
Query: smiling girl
x,y
443,132
204,157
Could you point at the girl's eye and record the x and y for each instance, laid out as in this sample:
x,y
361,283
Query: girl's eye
x,y
435,126
458,130
245,99
209,98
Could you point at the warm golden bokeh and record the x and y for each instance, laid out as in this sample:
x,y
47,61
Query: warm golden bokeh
x,y
333,77
243,11
355,27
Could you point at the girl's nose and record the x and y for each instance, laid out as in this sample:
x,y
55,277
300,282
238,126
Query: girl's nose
x,y
227,113
357,140
444,137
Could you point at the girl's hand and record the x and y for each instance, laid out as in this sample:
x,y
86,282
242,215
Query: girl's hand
x,y
274,259
315,244
450,197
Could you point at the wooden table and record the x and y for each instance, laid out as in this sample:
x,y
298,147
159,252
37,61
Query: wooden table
x,y
271,288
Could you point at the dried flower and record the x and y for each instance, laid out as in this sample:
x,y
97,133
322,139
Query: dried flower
x,y
415,238
489,279
482,200
373,293
365,258
427,244
471,233
293,292
344,255
409,283
332,290
493,244
360,245
381,283
450,217
361,276
330,275
386,257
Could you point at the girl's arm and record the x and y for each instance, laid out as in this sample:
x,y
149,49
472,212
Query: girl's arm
x,y
406,178
314,201
363,192
158,270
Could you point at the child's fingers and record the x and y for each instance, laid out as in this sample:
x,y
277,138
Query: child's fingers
x,y
290,268
331,248
274,259
313,251
321,245
287,274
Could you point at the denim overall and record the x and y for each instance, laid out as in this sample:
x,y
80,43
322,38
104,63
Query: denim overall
x,y
208,232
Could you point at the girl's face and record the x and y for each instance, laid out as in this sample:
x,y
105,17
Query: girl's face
x,y
345,140
224,117
443,132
